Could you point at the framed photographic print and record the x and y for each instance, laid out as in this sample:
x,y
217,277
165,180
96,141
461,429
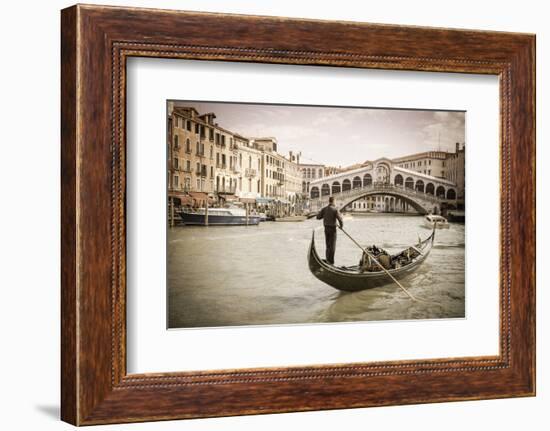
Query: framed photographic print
x,y
265,214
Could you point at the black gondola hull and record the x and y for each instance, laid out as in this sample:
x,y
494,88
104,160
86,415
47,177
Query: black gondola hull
x,y
350,280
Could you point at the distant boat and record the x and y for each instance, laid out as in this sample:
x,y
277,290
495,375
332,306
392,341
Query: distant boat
x,y
291,218
438,221
219,217
353,279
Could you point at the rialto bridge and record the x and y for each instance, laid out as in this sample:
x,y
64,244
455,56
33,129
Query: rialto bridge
x,y
401,188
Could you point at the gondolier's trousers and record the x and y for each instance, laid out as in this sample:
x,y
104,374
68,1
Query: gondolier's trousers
x,y
330,241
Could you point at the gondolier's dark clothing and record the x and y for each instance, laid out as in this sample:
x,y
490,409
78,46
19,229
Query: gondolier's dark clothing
x,y
330,216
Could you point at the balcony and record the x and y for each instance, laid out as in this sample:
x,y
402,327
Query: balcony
x,y
249,172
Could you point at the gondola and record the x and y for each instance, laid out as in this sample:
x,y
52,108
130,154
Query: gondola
x,y
352,279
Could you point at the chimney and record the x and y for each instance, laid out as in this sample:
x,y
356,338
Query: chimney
x,y
290,156
457,147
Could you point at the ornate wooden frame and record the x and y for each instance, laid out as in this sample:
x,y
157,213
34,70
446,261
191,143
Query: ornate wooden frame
x,y
95,42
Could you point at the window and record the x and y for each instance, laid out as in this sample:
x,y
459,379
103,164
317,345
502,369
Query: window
x,y
188,166
197,128
198,148
212,171
176,144
198,171
188,125
211,134
211,152
176,181
188,146
429,162
198,184
176,163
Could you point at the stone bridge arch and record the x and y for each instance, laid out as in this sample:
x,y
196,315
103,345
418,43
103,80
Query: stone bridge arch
x,y
419,207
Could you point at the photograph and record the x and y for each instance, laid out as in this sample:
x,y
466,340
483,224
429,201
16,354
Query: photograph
x,y
296,214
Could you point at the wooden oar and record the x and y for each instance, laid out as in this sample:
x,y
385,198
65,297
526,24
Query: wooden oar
x,y
379,264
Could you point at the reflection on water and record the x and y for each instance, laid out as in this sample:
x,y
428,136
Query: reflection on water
x,y
255,275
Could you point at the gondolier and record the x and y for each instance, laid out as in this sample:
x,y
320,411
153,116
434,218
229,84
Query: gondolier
x,y
330,216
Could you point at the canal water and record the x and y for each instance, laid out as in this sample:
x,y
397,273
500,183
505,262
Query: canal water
x,y
259,275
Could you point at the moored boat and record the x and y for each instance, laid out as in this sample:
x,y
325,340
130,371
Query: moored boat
x,y
219,217
355,278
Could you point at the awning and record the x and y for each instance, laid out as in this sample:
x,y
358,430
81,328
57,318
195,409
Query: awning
x,y
228,197
248,200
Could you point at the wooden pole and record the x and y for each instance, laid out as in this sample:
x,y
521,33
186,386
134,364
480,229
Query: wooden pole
x,y
246,206
380,265
206,212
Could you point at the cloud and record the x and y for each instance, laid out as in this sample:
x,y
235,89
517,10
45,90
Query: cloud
x,y
343,136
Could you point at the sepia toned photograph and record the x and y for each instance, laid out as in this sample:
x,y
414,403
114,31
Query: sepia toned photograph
x,y
295,214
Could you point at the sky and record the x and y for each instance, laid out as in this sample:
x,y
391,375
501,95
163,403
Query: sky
x,y
339,136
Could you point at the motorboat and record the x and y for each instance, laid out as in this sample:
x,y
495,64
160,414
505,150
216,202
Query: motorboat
x,y
437,221
218,216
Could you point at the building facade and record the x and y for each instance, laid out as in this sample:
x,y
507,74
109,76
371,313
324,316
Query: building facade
x,y
433,163
207,162
310,172
456,169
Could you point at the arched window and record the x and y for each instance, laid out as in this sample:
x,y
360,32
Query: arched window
x,y
440,192
357,183
451,194
398,180
430,189
314,192
336,188
325,190
367,180
409,183
419,187
346,185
